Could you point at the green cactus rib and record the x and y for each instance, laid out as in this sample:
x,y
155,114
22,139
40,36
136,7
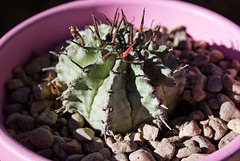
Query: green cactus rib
x,y
116,93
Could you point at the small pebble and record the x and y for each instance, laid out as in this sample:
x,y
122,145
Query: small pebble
x,y
165,149
205,144
141,155
234,125
75,157
14,84
41,138
124,146
73,147
196,115
219,127
138,138
214,84
84,134
189,129
194,157
40,106
47,153
94,145
149,132
42,91
213,104
26,122
120,157
21,95
229,111
47,117
13,108
227,139
33,68
96,156
75,121
58,148
187,151
216,56
106,153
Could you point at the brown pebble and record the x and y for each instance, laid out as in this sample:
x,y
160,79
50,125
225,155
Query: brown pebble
x,y
205,144
214,84
124,146
96,156
41,138
94,145
227,139
73,147
216,56
189,129
165,149
194,157
141,155
14,84
187,151
21,95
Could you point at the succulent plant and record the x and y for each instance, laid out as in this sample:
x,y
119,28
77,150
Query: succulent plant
x,y
119,77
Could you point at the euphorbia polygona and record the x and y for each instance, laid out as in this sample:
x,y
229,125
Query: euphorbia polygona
x,y
119,77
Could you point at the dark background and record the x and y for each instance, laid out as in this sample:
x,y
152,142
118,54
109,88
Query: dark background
x,y
12,12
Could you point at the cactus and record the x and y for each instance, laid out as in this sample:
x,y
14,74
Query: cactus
x,y
119,77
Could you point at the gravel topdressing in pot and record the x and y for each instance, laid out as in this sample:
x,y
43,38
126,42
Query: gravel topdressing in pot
x,y
200,57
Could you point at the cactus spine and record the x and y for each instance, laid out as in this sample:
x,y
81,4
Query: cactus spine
x,y
118,77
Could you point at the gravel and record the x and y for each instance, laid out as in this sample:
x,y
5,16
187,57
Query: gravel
x,y
205,120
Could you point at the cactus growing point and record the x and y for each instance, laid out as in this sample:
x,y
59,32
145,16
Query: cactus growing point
x,y
119,77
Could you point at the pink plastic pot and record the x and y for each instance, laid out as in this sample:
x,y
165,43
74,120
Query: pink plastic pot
x,y
47,29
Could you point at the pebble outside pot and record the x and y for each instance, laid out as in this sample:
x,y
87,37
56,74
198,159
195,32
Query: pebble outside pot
x,y
49,28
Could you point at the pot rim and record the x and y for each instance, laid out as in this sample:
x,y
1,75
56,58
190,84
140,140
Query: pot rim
x,y
8,142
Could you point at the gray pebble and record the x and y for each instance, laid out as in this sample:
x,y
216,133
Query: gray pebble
x,y
96,156
105,153
14,84
94,145
120,157
73,147
21,95
13,108
41,138
229,111
75,121
47,117
84,134
124,146
141,155
47,153
26,122
75,157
